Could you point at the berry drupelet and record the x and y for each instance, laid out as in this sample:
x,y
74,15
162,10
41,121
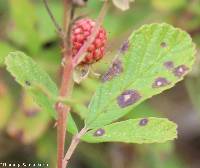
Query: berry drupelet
x,y
81,30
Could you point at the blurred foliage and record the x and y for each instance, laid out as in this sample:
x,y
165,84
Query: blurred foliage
x,y
159,155
28,122
25,25
6,104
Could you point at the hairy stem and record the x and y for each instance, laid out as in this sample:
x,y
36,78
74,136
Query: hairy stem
x,y
66,85
72,147
63,110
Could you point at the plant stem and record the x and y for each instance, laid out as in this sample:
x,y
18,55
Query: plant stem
x,y
76,60
66,86
63,110
67,81
58,28
72,147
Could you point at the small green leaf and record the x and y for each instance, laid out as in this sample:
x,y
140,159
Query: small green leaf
x,y
143,130
29,75
71,125
153,59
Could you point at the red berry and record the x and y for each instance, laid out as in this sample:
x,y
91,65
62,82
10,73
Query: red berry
x,y
81,30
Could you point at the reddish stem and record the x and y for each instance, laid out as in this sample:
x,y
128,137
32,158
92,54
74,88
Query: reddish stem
x,y
63,110
67,81
66,86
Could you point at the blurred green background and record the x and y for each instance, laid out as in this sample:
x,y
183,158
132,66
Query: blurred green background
x,y
28,135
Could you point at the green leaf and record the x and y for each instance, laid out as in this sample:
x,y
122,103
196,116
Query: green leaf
x,y
29,75
143,130
153,59
71,125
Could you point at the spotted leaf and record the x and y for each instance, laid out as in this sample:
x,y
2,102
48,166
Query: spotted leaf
x,y
142,130
153,59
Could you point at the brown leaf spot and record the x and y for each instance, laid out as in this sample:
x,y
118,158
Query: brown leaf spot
x,y
115,70
169,65
180,70
99,132
128,98
163,45
160,82
143,122
124,47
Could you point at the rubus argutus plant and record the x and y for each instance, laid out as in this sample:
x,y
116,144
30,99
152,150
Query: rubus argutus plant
x,y
154,58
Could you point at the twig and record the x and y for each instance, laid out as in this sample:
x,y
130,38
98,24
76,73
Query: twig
x,y
72,147
82,52
66,86
58,28
62,109
68,11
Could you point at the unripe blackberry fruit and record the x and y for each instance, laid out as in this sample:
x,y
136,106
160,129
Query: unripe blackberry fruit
x,y
81,30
